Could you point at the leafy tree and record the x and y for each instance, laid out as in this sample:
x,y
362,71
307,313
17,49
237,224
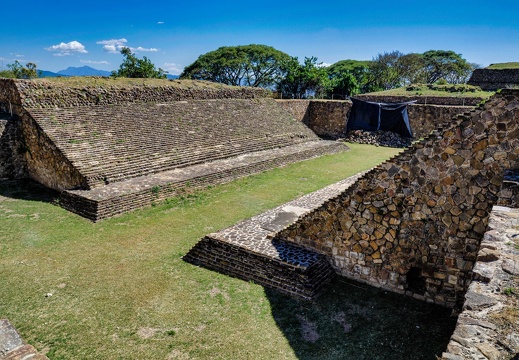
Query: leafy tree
x,y
446,64
349,77
386,72
249,65
20,72
411,68
301,80
133,67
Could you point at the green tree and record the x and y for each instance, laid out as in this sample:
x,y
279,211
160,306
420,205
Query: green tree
x,y
249,65
300,81
411,68
446,64
20,72
133,67
386,72
349,77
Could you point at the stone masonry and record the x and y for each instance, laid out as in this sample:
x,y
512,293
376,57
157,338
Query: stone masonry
x,y
493,79
328,118
414,224
113,148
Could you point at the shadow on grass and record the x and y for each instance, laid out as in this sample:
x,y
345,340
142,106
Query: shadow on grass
x,y
356,321
27,190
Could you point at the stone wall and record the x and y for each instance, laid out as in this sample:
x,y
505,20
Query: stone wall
x,y
42,93
424,100
13,163
486,328
414,224
328,118
427,118
46,163
494,79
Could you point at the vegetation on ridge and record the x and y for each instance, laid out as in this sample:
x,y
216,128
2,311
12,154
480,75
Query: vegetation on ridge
x,y
261,65
503,66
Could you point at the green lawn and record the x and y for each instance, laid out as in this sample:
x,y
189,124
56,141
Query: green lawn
x,y
118,289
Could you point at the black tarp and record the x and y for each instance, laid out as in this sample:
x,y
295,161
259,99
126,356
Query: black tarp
x,y
372,116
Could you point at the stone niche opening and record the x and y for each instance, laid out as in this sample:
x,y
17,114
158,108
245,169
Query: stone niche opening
x,y
415,281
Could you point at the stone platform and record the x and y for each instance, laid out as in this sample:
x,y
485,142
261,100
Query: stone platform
x,y
123,196
250,251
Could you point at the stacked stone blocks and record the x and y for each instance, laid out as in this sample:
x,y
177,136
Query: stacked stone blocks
x,y
414,224
102,147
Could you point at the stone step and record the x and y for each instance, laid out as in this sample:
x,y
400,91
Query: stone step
x,y
250,250
296,271
119,197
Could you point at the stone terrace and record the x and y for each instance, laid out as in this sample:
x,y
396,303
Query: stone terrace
x,y
111,143
247,250
112,146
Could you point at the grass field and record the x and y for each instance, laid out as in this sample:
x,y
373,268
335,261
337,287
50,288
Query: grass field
x,y
118,289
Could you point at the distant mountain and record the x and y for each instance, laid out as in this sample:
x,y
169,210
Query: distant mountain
x,y
44,73
83,71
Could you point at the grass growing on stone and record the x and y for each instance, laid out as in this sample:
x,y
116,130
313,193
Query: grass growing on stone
x,y
436,91
507,65
118,289
94,81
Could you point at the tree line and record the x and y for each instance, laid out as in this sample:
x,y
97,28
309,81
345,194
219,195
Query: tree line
x,y
265,66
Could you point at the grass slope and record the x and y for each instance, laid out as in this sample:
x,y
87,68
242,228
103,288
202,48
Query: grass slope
x,y
118,289
508,65
435,90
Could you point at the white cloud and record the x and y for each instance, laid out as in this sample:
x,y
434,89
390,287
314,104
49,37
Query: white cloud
x,y
141,49
94,62
160,22
65,49
173,68
113,46
324,65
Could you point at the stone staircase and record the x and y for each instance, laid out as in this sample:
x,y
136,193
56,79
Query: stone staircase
x,y
250,250
132,155
119,197
117,142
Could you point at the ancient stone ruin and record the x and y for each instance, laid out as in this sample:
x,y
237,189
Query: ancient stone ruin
x,y
494,79
113,148
413,225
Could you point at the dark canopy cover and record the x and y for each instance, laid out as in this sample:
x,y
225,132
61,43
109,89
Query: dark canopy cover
x,y
372,116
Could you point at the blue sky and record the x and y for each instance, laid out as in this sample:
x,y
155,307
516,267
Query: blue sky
x,y
172,34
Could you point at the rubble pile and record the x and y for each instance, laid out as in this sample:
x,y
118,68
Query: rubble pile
x,y
379,138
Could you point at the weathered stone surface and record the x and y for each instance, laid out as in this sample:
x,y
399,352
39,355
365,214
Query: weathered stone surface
x,y
12,346
494,79
435,214
9,337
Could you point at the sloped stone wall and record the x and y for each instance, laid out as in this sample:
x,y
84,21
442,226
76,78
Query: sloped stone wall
x,y
13,163
46,163
494,79
414,224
